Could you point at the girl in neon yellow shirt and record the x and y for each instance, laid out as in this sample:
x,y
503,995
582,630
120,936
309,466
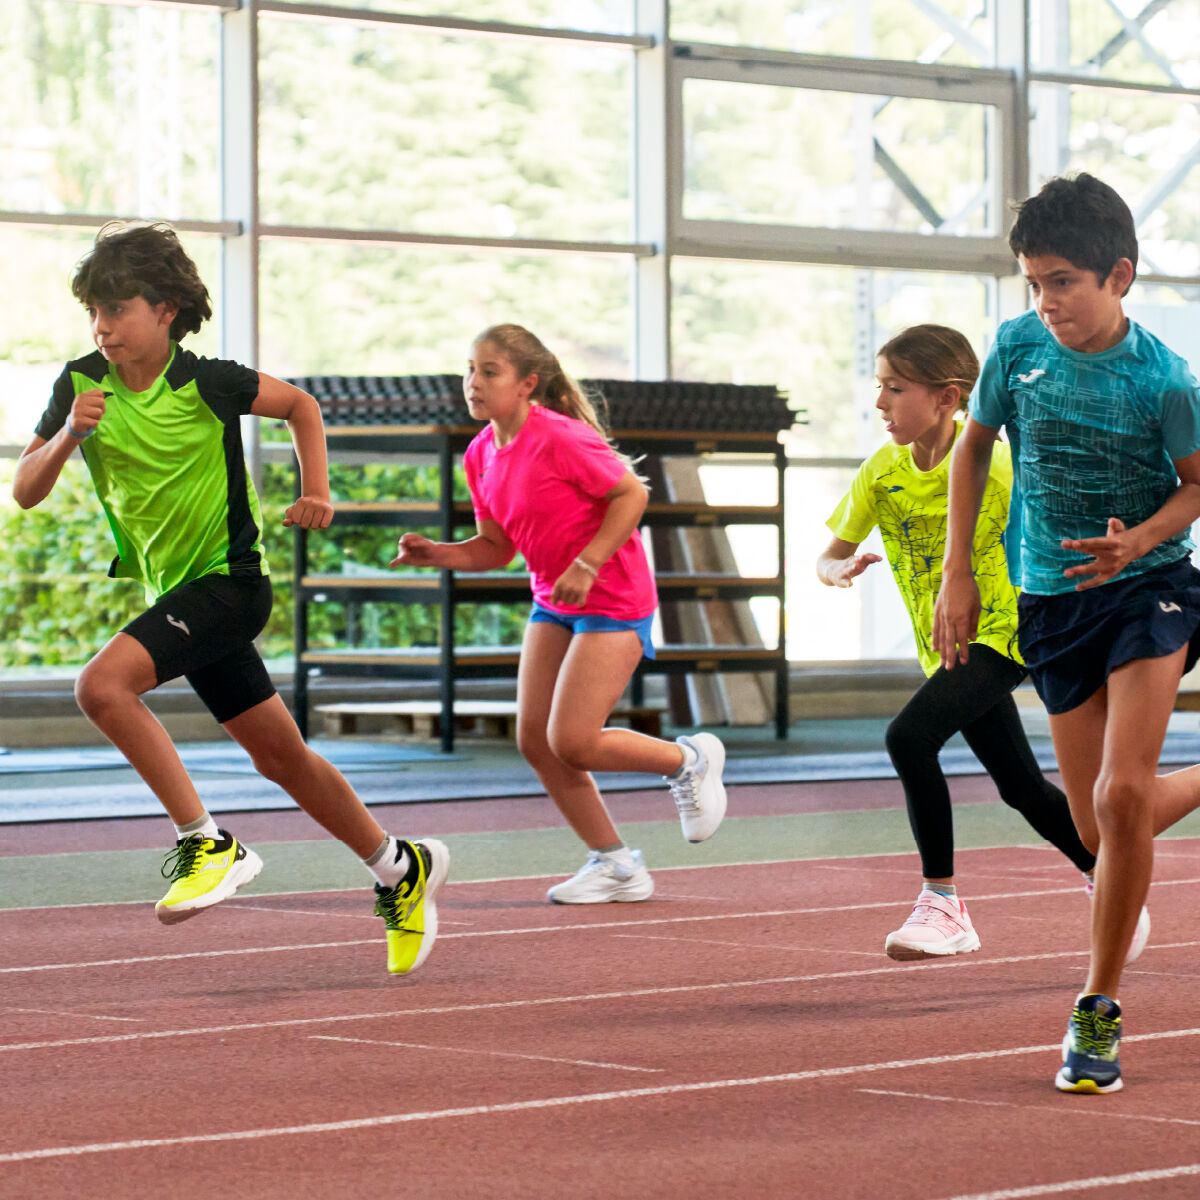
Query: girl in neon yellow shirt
x,y
925,375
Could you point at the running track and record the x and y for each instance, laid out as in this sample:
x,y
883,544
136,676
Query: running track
x,y
741,1035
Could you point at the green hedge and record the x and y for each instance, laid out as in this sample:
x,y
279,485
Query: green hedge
x,y
58,606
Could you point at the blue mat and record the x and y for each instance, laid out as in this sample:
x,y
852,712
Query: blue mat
x,y
225,758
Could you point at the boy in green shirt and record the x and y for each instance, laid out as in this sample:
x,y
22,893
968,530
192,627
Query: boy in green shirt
x,y
160,431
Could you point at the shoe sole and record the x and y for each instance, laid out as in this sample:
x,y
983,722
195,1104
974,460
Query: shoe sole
x,y
439,869
714,752
240,874
1090,1087
904,952
1086,1086
629,895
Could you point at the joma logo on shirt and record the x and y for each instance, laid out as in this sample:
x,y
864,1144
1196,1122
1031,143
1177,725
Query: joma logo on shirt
x,y
1032,375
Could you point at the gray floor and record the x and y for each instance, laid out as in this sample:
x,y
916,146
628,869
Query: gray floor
x,y
68,784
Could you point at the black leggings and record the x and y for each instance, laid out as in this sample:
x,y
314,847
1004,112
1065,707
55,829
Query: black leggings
x,y
975,698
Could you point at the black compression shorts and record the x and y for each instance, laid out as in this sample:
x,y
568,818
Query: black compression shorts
x,y
205,630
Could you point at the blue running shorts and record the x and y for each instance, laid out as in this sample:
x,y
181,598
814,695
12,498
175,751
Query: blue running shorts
x,y
595,623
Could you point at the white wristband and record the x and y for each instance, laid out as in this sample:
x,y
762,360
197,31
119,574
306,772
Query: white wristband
x,y
75,432
587,566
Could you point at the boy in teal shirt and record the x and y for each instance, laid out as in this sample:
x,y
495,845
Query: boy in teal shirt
x,y
1104,422
160,431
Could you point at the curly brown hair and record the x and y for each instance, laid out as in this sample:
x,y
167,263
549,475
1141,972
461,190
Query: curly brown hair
x,y
143,258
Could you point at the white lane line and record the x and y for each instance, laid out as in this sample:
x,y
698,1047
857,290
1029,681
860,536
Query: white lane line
x,y
54,1012
744,945
1083,1185
550,1102
954,964
574,1062
1090,1111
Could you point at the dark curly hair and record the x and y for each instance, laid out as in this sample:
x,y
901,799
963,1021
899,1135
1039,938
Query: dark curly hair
x,y
139,258
1078,218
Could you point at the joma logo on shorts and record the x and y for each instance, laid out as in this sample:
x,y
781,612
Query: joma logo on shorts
x,y
178,624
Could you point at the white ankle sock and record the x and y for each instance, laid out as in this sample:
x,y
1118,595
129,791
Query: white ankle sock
x,y
389,864
205,826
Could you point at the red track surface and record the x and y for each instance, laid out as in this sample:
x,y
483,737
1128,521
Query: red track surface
x,y
742,1035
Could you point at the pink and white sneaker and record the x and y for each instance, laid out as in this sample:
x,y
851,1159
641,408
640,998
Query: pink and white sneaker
x,y
937,926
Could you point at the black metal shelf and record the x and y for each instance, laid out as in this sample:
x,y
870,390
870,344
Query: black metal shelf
x,y
446,662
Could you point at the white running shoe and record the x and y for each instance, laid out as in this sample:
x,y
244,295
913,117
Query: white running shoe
x,y
1141,935
602,879
698,791
938,926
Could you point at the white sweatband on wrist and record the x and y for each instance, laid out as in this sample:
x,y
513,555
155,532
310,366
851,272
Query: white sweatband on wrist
x,y
594,572
75,432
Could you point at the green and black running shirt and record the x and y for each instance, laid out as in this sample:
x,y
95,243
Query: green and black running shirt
x,y
169,469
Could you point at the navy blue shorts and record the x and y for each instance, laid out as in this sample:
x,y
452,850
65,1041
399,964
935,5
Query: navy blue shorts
x,y
205,630
1073,641
595,623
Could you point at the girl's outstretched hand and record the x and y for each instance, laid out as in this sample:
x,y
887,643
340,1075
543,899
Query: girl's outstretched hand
x,y
415,550
843,573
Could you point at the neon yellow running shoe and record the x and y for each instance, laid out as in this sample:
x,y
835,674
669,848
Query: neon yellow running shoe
x,y
409,910
204,871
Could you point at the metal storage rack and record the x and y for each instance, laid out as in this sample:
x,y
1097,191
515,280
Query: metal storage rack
x,y
447,662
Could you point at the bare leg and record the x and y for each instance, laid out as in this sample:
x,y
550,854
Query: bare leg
x,y
1136,705
109,691
573,791
595,672
270,736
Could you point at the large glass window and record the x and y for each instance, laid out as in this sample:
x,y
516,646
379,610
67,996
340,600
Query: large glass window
x,y
333,308
470,136
1146,146
796,157
957,31
812,331
1148,41
109,108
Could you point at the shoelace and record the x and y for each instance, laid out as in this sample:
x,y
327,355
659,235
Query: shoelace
x,y
686,793
181,862
1096,1035
395,906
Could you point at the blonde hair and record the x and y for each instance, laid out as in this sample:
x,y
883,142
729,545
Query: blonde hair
x,y
934,356
555,389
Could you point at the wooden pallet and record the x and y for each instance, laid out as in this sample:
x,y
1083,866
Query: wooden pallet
x,y
484,718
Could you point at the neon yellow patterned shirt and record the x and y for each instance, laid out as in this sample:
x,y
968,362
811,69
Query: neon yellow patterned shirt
x,y
909,506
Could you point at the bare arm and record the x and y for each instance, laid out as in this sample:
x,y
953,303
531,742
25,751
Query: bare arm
x,y
1120,546
626,503
42,461
488,550
284,402
840,564
956,613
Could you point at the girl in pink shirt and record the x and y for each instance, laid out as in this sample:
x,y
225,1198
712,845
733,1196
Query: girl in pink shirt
x,y
545,481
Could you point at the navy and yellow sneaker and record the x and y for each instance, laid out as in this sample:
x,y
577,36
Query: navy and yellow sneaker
x,y
203,872
409,910
1090,1048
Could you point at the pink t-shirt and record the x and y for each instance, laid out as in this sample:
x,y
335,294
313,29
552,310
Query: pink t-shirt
x,y
546,490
